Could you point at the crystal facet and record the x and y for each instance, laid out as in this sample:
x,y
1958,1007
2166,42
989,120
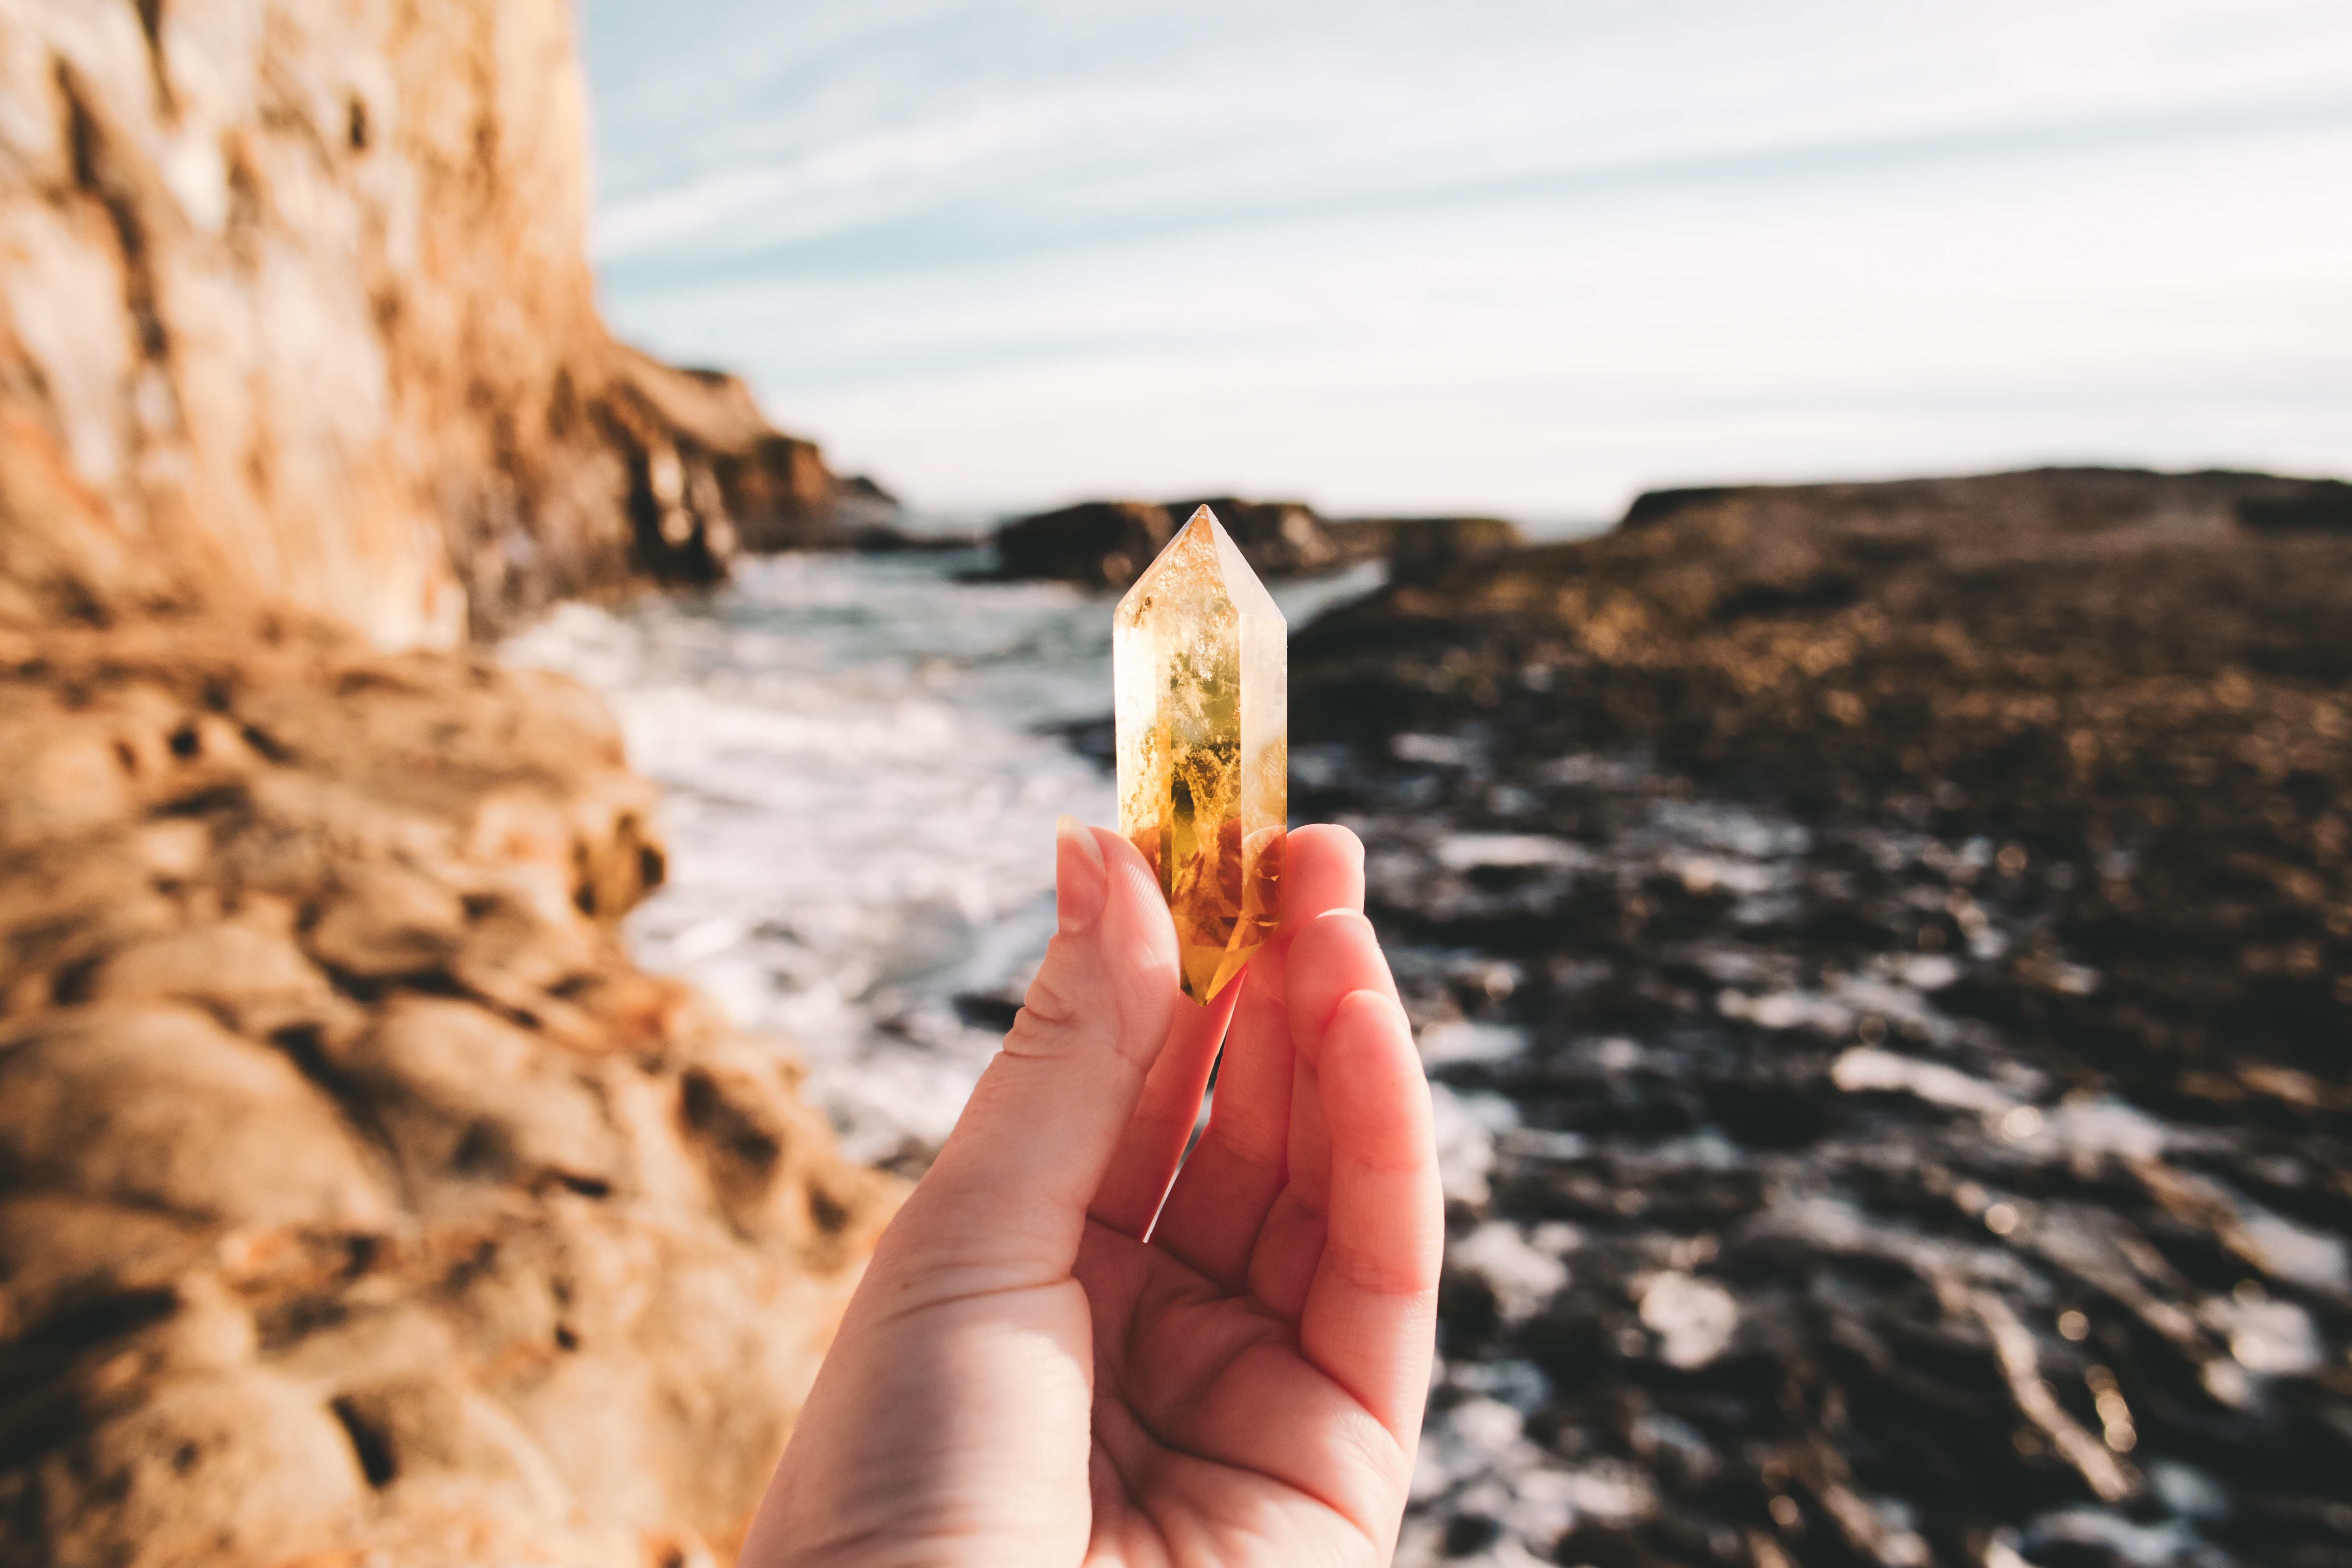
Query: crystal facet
x,y
1202,663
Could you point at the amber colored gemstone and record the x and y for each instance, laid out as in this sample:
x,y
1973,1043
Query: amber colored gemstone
x,y
1201,660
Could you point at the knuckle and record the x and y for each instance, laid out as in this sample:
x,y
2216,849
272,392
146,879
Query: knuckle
x,y
1047,1015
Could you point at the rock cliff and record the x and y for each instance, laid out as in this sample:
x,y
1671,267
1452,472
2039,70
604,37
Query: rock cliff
x,y
355,1193
294,306
359,1202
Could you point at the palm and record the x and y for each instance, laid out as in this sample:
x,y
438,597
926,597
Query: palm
x,y
1260,1360
1066,1348
1185,1467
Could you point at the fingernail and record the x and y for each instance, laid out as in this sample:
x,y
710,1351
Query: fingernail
x,y
1081,881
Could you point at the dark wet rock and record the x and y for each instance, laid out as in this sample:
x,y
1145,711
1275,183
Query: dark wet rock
x,y
2049,502
2321,503
1096,544
1107,544
877,540
1417,544
1876,947
1279,539
2146,710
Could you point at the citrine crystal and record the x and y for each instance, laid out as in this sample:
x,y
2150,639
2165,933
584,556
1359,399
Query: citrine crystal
x,y
1200,660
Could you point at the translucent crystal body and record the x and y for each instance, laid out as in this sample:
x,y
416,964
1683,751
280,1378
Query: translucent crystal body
x,y
1201,664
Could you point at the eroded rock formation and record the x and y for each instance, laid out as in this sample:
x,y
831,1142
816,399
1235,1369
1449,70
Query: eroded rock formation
x,y
294,305
359,1202
355,1193
1107,543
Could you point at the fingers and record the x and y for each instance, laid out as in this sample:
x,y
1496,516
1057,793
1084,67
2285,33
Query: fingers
x,y
1004,1204
1164,1118
1325,864
1219,1206
1371,1310
1334,956
1219,1202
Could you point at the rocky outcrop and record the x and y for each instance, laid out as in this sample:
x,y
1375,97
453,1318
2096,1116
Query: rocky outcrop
x,y
294,307
1096,544
1107,543
1884,978
357,1197
2040,503
1279,539
1414,545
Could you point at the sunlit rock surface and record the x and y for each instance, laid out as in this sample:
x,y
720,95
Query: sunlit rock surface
x,y
357,1196
294,304
359,1201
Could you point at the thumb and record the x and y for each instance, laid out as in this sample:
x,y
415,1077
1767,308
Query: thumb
x,y
1007,1199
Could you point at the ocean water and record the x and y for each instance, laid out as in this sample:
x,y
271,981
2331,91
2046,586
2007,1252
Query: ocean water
x,y
1695,1181
862,761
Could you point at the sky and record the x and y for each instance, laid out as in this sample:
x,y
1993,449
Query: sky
x,y
1531,257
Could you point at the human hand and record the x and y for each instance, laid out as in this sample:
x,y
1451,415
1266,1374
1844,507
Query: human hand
x,y
1032,1372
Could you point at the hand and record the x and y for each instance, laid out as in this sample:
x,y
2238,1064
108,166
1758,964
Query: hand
x,y
1032,1372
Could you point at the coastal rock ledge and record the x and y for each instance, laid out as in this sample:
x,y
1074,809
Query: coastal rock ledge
x,y
359,1202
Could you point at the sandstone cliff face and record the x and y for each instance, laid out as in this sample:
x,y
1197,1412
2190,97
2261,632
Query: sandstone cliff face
x,y
359,1202
293,306
356,1197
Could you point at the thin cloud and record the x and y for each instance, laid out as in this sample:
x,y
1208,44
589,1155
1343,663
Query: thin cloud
x,y
1531,255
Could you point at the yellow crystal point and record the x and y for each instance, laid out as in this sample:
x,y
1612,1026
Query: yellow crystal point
x,y
1200,660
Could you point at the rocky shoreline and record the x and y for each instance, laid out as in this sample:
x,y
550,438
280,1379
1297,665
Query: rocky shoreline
x,y
1883,1125
1883,949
